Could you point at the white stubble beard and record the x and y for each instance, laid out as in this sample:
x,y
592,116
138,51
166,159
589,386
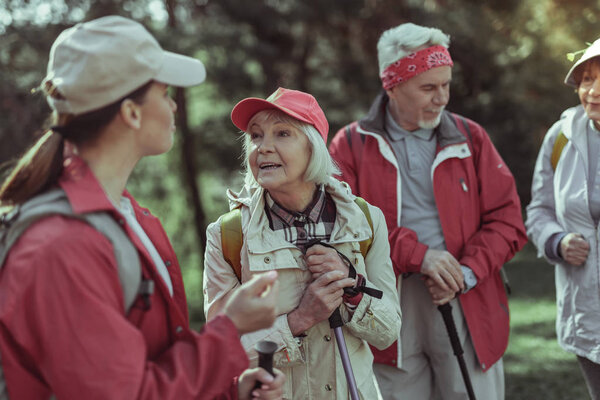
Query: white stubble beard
x,y
431,124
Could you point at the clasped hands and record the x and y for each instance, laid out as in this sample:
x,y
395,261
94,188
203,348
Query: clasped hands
x,y
324,293
442,275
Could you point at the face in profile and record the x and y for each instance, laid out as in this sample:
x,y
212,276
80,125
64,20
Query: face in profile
x,y
157,120
279,155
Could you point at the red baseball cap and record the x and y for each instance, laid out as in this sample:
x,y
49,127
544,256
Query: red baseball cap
x,y
296,104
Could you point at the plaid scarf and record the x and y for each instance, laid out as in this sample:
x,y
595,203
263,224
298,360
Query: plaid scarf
x,y
298,228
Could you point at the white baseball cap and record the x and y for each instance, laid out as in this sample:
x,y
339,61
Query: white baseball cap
x,y
590,52
95,63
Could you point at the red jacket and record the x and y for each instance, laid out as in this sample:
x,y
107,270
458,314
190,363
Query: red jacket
x,y
478,205
63,329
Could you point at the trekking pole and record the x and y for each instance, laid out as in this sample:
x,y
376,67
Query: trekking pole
x,y
335,322
446,310
265,350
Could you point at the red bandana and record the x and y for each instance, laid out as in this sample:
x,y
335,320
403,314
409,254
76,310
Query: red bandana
x,y
415,64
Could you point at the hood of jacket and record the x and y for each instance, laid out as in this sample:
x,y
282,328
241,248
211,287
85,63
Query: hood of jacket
x,y
574,122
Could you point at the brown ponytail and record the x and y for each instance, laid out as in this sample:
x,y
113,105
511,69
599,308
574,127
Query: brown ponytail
x,y
37,170
40,167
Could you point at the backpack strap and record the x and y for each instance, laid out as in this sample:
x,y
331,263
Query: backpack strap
x,y
559,144
16,221
232,236
365,245
54,202
232,240
126,255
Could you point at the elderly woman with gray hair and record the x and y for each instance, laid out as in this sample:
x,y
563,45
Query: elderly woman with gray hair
x,y
563,216
299,220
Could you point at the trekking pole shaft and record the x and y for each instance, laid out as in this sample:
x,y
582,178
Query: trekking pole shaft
x,y
336,323
446,310
341,342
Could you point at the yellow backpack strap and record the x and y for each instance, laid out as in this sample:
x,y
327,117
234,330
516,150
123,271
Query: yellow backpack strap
x,y
232,239
559,144
365,245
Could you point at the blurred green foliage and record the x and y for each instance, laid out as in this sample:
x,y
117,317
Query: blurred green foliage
x,y
509,65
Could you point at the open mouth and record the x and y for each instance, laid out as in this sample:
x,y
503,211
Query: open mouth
x,y
268,166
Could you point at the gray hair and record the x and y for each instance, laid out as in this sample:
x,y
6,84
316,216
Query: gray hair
x,y
320,166
398,42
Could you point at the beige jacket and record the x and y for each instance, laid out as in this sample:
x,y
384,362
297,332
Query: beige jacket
x,y
312,365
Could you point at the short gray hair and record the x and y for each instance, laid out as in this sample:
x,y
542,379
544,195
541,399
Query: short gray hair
x,y
398,42
320,166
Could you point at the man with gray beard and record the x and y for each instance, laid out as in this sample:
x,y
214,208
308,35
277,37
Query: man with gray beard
x,y
453,215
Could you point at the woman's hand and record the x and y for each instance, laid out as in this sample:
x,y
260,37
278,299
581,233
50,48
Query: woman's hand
x,y
252,306
321,297
320,259
574,249
271,388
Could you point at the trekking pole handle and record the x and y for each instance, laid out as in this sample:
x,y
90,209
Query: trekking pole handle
x,y
265,350
335,319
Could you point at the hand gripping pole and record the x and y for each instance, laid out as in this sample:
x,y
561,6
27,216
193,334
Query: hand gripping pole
x,y
265,350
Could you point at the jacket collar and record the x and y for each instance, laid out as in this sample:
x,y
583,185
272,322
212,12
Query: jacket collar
x,y
350,223
374,121
82,188
446,132
574,124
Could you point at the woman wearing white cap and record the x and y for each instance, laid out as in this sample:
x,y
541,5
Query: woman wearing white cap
x,y
91,315
563,216
300,221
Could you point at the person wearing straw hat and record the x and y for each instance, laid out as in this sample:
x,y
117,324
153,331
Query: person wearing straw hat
x,y
67,330
453,215
563,215
300,221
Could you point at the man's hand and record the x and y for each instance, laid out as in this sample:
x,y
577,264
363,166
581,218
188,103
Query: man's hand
x,y
252,306
320,259
270,389
438,295
321,297
574,249
443,269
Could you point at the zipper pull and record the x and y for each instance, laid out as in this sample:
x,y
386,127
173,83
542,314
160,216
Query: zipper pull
x,y
464,185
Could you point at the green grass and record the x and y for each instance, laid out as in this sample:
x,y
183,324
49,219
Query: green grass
x,y
535,367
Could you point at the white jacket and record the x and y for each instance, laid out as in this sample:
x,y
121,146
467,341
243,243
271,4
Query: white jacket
x,y
312,367
560,204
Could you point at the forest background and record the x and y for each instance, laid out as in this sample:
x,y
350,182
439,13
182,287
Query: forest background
x,y
510,62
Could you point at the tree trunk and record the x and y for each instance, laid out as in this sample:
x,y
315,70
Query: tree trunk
x,y
187,150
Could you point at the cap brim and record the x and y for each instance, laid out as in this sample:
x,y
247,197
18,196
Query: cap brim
x,y
591,52
180,70
243,111
570,79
